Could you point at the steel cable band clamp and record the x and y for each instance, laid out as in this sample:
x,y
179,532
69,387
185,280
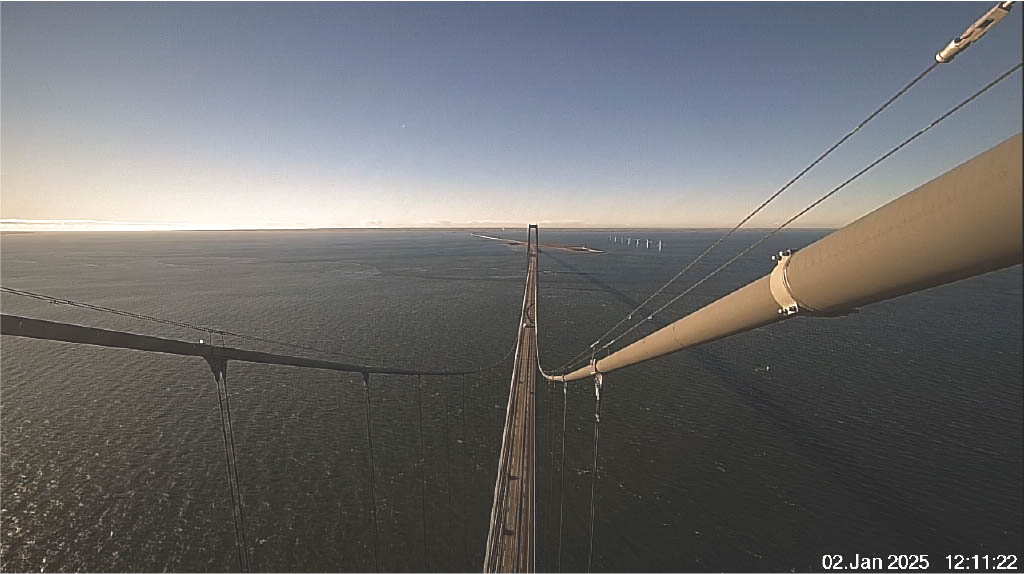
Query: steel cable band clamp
x,y
974,32
779,285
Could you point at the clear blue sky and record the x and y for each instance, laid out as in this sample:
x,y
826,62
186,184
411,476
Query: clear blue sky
x,y
294,115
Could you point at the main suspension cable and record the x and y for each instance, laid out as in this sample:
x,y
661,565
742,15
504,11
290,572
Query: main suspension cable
x,y
758,209
815,203
971,35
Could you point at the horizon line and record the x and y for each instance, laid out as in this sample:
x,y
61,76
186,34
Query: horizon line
x,y
132,229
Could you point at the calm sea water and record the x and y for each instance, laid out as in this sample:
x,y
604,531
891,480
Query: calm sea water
x,y
895,430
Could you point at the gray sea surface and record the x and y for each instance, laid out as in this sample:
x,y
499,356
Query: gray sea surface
x,y
896,430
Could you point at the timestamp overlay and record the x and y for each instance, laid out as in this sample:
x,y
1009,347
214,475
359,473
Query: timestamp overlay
x,y
916,562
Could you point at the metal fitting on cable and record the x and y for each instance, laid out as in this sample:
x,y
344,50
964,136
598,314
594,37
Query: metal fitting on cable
x,y
974,32
598,380
779,284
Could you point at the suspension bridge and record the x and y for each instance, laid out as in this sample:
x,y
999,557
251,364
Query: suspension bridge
x,y
964,223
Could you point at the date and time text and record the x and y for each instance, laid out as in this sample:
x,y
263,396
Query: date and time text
x,y
921,562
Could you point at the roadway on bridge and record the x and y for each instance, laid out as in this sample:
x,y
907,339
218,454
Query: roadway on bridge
x,y
511,539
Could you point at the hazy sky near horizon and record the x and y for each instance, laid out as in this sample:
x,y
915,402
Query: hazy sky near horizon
x,y
319,115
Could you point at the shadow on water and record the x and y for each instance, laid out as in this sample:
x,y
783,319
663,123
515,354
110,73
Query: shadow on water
x,y
592,278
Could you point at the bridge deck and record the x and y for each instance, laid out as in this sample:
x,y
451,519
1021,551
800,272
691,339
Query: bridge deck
x,y
510,540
